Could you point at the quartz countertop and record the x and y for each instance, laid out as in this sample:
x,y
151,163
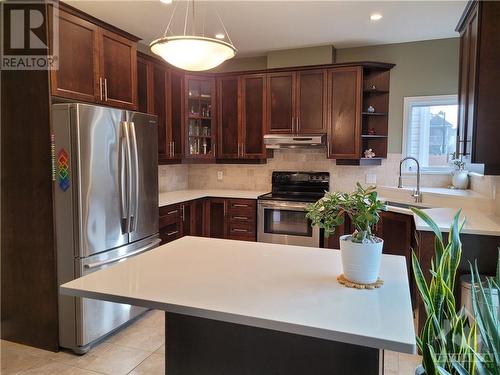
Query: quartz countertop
x,y
281,287
476,221
178,196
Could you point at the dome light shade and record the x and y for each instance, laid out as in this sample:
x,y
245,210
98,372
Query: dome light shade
x,y
194,53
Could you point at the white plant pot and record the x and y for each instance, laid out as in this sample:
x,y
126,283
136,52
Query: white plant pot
x,y
460,179
360,261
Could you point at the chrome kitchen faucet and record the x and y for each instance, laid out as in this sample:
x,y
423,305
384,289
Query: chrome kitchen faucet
x,y
417,194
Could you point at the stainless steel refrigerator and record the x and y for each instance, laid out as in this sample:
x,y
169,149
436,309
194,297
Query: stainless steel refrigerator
x,y
105,174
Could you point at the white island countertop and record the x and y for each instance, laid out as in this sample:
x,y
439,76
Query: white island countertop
x,y
285,288
476,221
178,196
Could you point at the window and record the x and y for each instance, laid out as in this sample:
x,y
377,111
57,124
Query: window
x,y
430,131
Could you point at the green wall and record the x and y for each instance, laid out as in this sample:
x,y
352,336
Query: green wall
x,y
242,63
422,68
300,57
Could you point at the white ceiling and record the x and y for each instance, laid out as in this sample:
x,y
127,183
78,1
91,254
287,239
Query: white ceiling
x,y
257,27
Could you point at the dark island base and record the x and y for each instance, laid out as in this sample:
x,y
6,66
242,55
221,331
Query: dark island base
x,y
198,346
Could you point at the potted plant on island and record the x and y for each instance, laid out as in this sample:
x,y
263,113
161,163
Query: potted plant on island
x,y
360,251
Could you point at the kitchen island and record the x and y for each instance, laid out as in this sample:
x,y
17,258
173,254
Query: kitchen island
x,y
235,307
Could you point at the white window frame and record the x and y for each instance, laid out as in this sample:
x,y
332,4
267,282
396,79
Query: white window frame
x,y
408,101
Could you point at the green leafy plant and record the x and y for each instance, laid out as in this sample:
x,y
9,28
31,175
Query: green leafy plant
x,y
485,304
362,207
447,341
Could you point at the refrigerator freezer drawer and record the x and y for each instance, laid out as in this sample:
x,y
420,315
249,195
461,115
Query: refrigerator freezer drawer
x,y
84,320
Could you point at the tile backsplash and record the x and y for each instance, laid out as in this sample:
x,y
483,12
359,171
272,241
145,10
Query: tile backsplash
x,y
342,178
172,177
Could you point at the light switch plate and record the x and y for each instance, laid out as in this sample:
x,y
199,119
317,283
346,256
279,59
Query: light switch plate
x,y
371,178
220,175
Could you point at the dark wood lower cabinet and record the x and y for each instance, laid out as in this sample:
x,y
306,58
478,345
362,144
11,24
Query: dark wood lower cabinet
x,y
234,219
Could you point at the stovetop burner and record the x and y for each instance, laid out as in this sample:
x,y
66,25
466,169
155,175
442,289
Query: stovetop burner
x,y
298,186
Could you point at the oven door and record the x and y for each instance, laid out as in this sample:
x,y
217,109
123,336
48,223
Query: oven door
x,y
285,223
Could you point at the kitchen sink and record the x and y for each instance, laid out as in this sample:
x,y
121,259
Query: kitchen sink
x,y
403,205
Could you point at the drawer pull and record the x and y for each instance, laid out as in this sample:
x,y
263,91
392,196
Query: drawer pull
x,y
240,217
172,233
172,212
240,205
239,230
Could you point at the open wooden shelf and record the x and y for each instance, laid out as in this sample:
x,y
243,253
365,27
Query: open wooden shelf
x,y
373,136
375,92
374,113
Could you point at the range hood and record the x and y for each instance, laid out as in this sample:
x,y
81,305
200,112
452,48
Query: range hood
x,y
274,141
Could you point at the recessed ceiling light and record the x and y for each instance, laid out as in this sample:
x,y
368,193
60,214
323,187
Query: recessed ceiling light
x,y
376,16
219,36
166,1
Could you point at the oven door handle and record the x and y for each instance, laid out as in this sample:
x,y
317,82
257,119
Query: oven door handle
x,y
283,206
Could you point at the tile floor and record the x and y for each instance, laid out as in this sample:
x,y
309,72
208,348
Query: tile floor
x,y
136,350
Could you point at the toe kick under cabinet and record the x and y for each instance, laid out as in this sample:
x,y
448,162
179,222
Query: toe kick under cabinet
x,y
226,218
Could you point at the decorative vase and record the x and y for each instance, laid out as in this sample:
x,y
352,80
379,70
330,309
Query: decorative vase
x,y
460,179
360,261
420,370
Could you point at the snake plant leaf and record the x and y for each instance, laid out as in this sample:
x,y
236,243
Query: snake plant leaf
x,y
421,283
442,371
439,247
438,297
459,368
497,279
455,248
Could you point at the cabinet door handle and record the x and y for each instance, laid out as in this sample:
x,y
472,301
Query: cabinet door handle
x,y
240,205
173,149
183,213
292,122
297,123
172,212
240,217
239,230
100,88
172,233
105,89
238,149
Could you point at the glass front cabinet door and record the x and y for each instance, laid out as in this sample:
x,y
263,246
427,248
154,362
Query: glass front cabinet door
x,y
200,118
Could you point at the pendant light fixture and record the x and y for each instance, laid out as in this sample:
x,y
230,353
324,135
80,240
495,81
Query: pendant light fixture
x,y
192,52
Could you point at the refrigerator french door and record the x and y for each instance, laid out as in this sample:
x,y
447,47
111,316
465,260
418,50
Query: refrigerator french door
x,y
105,176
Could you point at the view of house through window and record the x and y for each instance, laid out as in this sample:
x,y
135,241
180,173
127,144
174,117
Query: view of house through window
x,y
430,126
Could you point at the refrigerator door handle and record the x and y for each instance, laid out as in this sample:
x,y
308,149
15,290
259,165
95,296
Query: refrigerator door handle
x,y
134,215
129,177
136,252
122,160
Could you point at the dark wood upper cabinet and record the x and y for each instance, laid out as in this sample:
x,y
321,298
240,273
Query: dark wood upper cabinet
x,y
479,74
253,115
118,70
241,116
297,102
96,65
176,113
280,102
228,99
78,74
144,85
200,124
344,99
160,91
311,103
160,82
